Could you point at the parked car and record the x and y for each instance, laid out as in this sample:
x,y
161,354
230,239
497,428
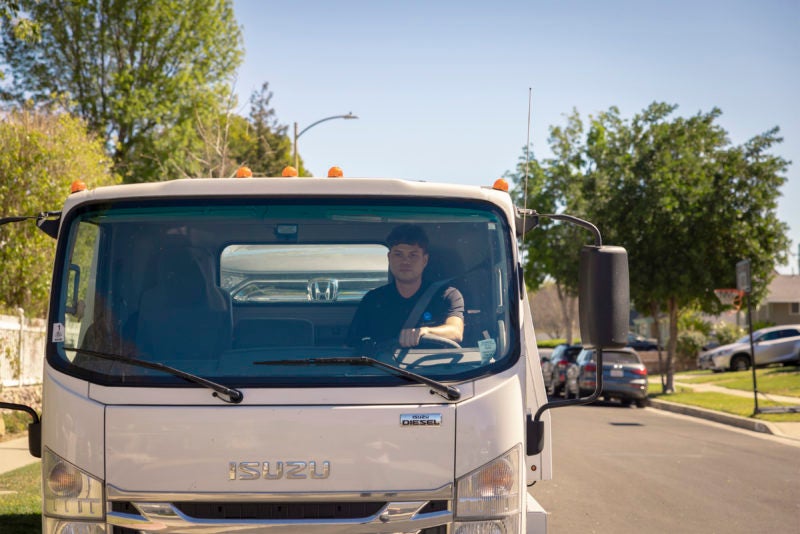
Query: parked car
x,y
637,342
563,355
776,344
547,369
624,376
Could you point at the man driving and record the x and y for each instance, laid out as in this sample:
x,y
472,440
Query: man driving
x,y
385,313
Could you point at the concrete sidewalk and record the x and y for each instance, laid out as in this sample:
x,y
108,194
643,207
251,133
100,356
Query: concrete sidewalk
x,y
700,387
14,454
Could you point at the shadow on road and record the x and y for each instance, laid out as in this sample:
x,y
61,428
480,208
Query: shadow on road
x,y
609,403
21,524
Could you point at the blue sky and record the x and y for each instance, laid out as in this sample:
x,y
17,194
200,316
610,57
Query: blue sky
x,y
441,88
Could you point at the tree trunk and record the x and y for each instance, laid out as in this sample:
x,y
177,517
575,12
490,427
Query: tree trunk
x,y
654,308
672,308
564,300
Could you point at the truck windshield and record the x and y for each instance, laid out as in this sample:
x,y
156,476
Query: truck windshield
x,y
217,288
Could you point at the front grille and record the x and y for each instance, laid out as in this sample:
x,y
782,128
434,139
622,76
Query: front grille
x,y
268,511
278,511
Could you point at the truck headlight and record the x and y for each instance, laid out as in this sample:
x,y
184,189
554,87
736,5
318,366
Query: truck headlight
x,y
489,497
70,493
62,526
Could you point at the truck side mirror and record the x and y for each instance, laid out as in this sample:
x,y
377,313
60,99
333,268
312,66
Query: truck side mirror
x,y
604,312
34,428
604,296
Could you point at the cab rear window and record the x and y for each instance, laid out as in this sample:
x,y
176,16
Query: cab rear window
x,y
302,273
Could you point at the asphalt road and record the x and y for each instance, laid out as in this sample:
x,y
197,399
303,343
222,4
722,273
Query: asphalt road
x,y
627,470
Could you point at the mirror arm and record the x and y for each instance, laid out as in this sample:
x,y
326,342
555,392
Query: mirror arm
x,y
47,221
535,426
528,219
598,239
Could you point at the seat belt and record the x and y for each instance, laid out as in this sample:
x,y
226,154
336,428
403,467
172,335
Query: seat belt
x,y
422,302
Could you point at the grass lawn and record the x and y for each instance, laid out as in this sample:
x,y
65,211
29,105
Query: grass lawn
x,y
772,380
21,509
742,406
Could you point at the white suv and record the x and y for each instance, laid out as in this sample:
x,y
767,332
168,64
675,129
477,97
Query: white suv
x,y
777,344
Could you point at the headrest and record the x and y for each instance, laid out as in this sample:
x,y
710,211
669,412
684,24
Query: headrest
x,y
180,275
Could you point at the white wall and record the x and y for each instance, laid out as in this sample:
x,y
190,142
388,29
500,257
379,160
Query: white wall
x,y
21,350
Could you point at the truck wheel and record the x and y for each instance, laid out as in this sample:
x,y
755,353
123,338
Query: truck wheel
x,y
740,363
641,403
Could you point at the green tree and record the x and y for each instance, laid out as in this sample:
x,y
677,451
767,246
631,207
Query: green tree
x,y
268,148
139,72
41,154
687,205
211,156
553,249
226,141
23,28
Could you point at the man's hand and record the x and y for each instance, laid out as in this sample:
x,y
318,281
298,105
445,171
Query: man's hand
x,y
453,329
409,337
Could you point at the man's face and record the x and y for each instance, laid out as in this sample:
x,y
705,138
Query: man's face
x,y
406,262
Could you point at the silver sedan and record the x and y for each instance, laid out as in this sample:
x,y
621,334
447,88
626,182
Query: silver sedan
x,y
777,344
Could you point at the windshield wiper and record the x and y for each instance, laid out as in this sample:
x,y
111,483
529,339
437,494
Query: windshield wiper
x,y
224,393
448,392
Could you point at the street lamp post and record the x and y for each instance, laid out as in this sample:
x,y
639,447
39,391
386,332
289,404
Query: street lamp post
x,y
304,130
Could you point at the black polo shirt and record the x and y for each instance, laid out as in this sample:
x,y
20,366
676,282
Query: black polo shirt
x,y
383,312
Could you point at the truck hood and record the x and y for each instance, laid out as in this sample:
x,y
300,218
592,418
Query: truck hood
x,y
266,449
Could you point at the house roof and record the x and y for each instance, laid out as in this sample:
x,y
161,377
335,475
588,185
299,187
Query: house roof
x,y
784,288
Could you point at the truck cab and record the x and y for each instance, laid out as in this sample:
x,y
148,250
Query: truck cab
x,y
199,376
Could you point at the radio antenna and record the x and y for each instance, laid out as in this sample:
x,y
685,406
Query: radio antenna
x,y
527,162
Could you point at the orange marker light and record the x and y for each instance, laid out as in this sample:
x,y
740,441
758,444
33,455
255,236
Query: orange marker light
x,y
289,172
244,172
77,186
501,185
335,172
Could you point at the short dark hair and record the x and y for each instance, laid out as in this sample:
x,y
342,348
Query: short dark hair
x,y
408,234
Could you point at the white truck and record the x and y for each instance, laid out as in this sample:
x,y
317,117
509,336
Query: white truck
x,y
197,376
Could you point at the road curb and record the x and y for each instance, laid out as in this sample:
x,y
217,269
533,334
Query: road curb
x,y
718,417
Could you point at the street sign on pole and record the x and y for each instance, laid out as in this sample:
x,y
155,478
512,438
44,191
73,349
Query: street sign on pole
x,y
743,282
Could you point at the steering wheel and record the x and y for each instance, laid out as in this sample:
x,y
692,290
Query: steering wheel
x,y
453,358
438,340
432,339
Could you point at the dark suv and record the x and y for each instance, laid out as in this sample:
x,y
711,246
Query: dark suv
x,y
563,355
624,376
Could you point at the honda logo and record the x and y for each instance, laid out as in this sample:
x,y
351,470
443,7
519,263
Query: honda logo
x,y
323,289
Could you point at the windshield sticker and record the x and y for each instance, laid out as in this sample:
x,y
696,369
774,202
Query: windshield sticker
x,y
58,333
487,348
